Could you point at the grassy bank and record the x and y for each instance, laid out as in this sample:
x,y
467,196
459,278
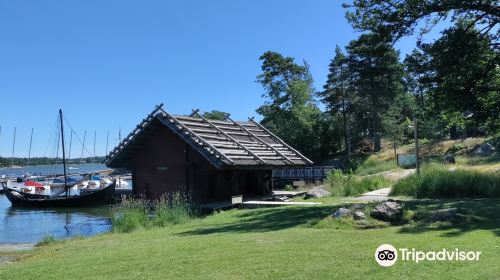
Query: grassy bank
x,y
439,182
273,243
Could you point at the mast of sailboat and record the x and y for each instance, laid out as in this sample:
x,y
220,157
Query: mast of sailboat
x,y
107,140
29,151
95,136
63,152
70,142
13,147
83,145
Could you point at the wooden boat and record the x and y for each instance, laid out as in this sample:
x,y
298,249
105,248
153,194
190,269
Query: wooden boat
x,y
84,198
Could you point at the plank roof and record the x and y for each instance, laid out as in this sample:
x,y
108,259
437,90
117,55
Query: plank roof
x,y
225,143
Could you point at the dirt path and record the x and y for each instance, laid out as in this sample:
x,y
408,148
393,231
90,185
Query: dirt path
x,y
394,174
13,247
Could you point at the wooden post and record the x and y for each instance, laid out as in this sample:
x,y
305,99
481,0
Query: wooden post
x,y
417,152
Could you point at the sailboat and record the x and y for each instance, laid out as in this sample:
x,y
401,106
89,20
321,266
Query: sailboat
x,y
65,198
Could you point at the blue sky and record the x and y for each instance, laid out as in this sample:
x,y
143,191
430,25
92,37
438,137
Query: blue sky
x,y
107,63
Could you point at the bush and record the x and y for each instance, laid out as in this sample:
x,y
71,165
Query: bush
x,y
438,182
133,214
455,148
495,141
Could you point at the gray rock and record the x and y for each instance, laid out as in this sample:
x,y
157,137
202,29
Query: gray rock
x,y
485,149
342,213
317,192
388,211
449,159
359,215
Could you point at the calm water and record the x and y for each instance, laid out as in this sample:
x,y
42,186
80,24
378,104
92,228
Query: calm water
x,y
51,169
31,225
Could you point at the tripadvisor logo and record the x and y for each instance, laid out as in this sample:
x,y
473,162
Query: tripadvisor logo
x,y
387,255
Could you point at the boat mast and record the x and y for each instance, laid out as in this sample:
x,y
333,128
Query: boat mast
x,y
83,145
0,135
95,136
107,140
70,141
29,152
63,153
13,147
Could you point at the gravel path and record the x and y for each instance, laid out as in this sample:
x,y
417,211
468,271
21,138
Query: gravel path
x,y
383,194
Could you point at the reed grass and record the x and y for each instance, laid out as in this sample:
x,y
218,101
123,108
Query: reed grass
x,y
346,184
133,213
438,182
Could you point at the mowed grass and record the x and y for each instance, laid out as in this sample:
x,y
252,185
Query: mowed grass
x,y
271,243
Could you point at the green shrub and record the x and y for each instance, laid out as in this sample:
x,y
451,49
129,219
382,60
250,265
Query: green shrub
x,y
438,182
455,148
495,141
289,188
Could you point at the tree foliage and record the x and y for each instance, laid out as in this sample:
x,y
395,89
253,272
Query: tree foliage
x,y
459,76
215,115
290,110
394,19
377,80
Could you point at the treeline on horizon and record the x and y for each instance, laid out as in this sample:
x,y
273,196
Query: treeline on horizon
x,y
451,86
20,161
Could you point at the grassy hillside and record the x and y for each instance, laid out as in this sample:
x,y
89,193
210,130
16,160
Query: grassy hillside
x,y
273,243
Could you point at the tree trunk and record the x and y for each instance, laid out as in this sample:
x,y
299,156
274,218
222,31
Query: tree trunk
x,y
394,146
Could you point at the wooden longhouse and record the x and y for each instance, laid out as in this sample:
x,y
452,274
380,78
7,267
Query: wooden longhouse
x,y
210,160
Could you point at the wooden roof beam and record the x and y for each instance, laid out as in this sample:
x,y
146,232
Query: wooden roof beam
x,y
259,140
259,159
201,140
279,140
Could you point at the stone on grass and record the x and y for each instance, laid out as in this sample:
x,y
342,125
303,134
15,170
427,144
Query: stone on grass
x,y
317,192
388,211
359,215
485,149
342,213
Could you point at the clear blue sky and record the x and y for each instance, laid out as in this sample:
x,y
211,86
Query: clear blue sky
x,y
107,63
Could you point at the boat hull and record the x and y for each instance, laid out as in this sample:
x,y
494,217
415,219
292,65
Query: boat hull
x,y
98,197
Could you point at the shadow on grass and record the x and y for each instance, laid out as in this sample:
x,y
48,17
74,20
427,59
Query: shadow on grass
x,y
480,214
267,219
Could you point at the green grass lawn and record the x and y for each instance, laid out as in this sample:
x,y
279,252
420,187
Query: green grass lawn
x,y
270,243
